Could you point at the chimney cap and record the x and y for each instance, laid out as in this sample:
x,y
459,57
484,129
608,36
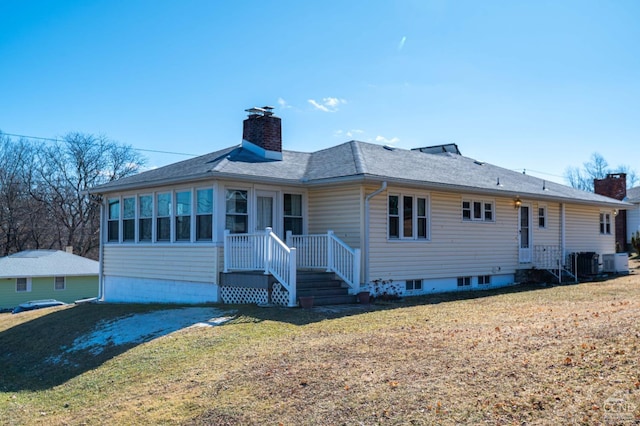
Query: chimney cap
x,y
265,111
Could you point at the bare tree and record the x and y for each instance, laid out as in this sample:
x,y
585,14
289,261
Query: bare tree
x,y
64,173
596,168
15,206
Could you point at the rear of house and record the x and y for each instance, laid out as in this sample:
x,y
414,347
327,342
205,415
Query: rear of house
x,y
379,218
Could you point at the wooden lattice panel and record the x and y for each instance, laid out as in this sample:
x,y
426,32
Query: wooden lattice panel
x,y
279,295
244,295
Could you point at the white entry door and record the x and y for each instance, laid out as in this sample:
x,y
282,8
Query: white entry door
x,y
525,234
266,211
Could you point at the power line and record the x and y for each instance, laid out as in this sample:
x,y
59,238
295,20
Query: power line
x,y
135,149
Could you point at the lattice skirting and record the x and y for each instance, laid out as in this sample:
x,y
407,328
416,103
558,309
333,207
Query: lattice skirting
x,y
279,295
244,295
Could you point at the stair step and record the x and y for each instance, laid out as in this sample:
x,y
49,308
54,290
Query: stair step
x,y
322,291
320,283
334,300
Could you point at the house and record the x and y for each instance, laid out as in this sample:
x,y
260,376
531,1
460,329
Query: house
x,y
633,213
247,222
46,274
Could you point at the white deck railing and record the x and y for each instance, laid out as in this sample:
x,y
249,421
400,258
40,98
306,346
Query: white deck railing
x,y
551,259
326,251
263,251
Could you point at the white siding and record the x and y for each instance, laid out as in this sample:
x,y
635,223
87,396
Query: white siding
x,y
583,231
551,235
190,262
633,221
456,248
337,209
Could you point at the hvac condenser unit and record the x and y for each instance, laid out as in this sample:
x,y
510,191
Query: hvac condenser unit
x,y
616,263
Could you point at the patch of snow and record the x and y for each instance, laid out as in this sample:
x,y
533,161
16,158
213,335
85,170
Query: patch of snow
x,y
140,328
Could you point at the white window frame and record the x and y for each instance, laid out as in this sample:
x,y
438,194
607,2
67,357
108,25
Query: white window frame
x,y
197,214
157,216
140,218
175,215
479,215
484,280
286,216
464,281
605,223
543,216
131,219
55,283
414,285
116,220
245,214
414,216
27,285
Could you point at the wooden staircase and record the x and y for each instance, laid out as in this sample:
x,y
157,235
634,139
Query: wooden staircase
x,y
325,288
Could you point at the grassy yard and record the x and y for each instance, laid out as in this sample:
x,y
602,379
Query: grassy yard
x,y
524,355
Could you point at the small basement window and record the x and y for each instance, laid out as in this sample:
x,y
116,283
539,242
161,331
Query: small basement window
x,y
413,285
464,281
484,279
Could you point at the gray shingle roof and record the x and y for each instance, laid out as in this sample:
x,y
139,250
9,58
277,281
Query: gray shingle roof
x,y
633,194
46,263
360,161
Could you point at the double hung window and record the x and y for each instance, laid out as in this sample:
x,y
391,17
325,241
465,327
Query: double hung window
x,y
237,215
145,218
163,217
408,217
183,216
605,223
293,213
477,210
204,214
113,221
129,219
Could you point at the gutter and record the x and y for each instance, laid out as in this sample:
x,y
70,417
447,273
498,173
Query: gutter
x,y
367,199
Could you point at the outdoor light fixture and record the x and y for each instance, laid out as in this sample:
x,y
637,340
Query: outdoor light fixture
x,y
615,212
517,202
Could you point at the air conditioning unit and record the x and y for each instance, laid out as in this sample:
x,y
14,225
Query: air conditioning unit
x,y
616,263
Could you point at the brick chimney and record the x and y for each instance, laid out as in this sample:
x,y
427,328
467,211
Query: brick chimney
x,y
262,133
615,186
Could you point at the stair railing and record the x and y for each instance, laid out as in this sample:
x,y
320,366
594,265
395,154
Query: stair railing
x,y
262,251
327,251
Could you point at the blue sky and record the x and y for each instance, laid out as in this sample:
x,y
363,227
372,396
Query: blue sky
x,y
536,85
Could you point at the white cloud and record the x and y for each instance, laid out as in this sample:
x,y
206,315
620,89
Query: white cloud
x,y
283,104
402,42
386,141
348,133
327,104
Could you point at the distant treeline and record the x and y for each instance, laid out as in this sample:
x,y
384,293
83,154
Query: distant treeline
x,y
43,199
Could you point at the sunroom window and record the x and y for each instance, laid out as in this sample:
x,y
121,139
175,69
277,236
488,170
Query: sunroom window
x,y
129,219
163,218
113,222
204,214
145,217
237,216
183,216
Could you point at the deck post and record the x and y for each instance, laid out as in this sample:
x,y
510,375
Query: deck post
x,y
356,270
329,251
293,284
267,250
225,249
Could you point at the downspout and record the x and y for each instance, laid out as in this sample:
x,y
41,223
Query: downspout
x,y
562,232
100,262
366,228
